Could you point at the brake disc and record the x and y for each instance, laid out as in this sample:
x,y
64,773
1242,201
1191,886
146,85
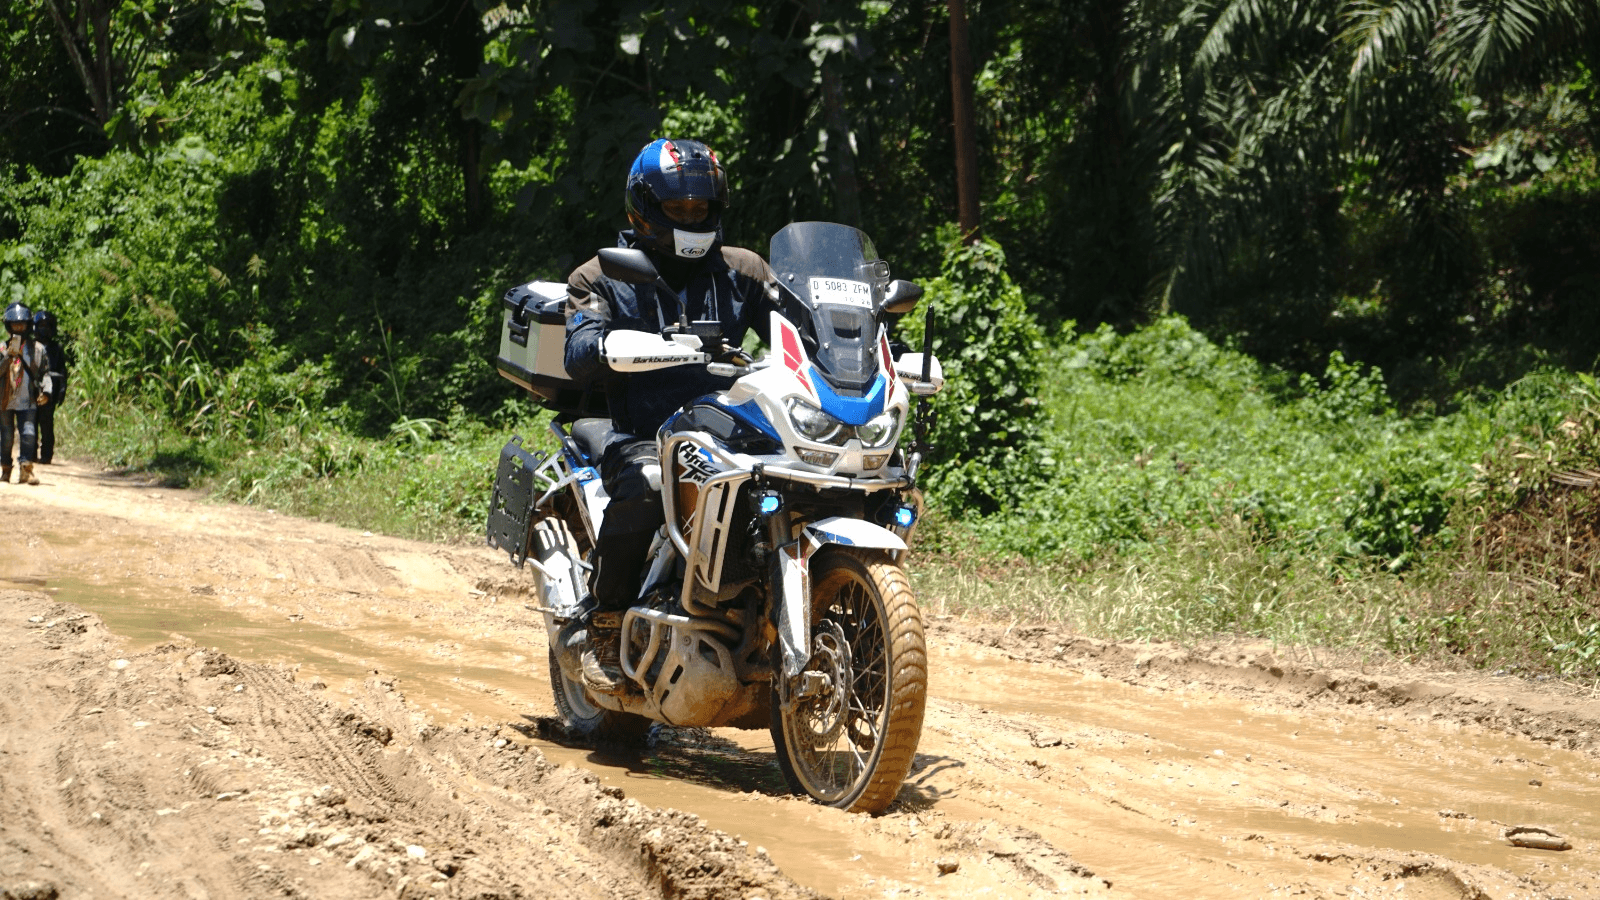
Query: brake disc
x,y
827,701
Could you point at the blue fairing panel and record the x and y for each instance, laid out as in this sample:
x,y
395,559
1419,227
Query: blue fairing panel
x,y
852,410
752,415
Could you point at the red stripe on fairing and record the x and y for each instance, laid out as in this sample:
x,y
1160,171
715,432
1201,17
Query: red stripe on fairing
x,y
888,369
793,359
791,347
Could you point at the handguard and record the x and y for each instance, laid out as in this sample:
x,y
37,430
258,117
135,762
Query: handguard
x,y
909,368
641,351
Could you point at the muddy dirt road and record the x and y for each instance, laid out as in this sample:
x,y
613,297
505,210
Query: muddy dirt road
x,y
199,700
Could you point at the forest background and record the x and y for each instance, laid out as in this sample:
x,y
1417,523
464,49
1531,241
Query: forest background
x,y
1280,319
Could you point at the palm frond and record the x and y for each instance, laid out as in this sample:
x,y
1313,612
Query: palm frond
x,y
1487,44
1239,21
1380,36
1481,37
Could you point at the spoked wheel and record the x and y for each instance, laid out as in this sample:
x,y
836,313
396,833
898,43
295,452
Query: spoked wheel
x,y
851,730
555,549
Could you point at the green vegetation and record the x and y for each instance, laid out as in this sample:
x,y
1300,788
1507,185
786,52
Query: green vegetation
x,y
1192,492
428,480
1292,333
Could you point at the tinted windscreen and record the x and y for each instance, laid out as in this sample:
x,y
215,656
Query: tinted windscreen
x,y
835,275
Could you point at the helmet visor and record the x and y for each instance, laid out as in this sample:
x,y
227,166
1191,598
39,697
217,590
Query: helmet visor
x,y
687,210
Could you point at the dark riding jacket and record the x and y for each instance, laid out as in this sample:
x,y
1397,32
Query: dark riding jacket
x,y
731,285
57,363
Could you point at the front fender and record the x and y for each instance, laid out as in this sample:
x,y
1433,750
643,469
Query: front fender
x,y
848,532
794,570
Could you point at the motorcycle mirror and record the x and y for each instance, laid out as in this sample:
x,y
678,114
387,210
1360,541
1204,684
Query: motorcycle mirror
x,y
628,265
901,297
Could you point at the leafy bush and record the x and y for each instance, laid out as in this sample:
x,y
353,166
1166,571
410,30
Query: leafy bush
x,y
1161,427
988,419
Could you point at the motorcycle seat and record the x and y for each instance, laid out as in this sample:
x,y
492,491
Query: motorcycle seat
x,y
592,436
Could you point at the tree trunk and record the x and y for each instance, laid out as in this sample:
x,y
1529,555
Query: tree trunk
x,y
463,44
94,69
841,154
847,191
966,138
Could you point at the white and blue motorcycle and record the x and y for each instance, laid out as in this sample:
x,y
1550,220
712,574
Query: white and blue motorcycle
x,y
775,595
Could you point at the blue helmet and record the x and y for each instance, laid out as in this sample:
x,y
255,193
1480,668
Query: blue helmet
x,y
676,170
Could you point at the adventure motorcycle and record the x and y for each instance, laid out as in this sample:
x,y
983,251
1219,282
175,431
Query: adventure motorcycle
x,y
775,595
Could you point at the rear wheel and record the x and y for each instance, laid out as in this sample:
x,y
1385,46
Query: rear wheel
x,y
583,719
555,549
850,740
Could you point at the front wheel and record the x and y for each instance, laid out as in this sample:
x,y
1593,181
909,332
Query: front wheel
x,y
849,735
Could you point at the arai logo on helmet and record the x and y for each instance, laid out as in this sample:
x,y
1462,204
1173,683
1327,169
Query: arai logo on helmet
x,y
692,244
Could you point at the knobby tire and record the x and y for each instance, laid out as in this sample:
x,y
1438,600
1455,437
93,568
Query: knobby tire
x,y
861,767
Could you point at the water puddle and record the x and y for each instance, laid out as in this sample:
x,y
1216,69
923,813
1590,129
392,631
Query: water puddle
x,y
725,776
148,618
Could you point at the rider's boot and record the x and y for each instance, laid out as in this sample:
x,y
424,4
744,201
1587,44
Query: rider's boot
x,y
619,556
602,653
26,476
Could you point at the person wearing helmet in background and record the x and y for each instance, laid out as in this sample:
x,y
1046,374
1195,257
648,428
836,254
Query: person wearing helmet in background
x,y
46,332
675,196
24,385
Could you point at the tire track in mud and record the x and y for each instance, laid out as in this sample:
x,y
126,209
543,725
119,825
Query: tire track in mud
x,y
179,771
329,760
347,755
99,812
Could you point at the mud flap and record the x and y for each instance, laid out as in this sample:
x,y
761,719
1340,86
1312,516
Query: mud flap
x,y
794,570
561,586
511,503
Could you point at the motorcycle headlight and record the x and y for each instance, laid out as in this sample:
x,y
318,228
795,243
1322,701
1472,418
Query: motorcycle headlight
x,y
879,432
814,424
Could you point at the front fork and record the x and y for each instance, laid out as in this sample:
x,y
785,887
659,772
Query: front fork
x,y
790,579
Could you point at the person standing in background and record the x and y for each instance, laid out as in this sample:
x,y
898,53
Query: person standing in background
x,y
24,384
45,331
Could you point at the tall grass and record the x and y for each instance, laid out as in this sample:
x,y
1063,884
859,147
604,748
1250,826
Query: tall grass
x,y
1190,493
429,480
1203,584
1194,493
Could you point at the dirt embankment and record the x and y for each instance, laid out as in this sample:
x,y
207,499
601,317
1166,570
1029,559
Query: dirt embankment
x,y
201,700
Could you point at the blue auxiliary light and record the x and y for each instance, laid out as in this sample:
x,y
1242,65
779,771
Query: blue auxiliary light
x,y
770,503
904,516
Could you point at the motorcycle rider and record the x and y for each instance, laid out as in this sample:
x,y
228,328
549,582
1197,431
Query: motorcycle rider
x,y
45,329
675,196
24,384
